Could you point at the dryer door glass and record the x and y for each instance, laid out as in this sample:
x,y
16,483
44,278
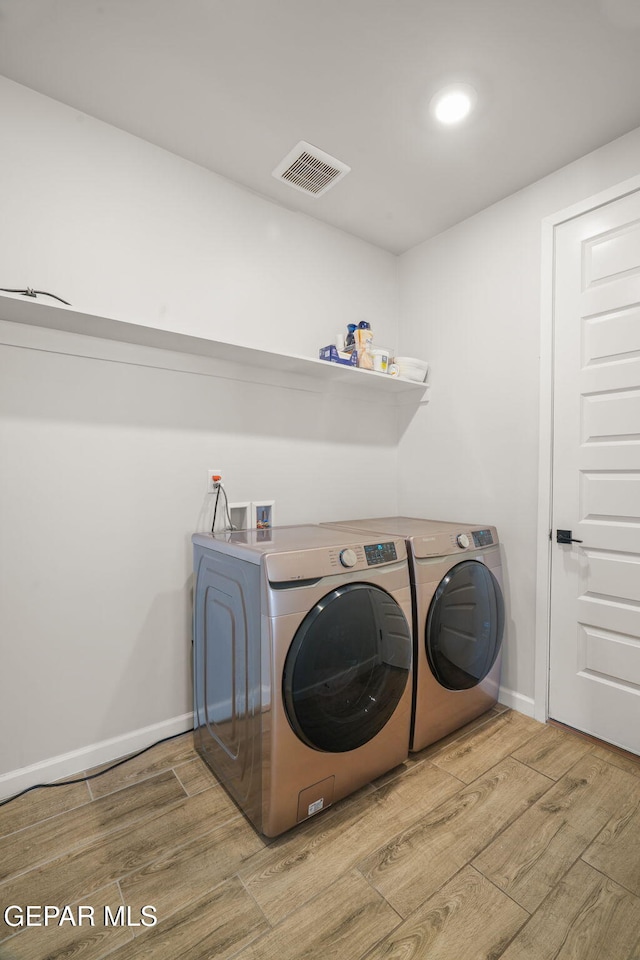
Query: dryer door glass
x,y
464,626
347,668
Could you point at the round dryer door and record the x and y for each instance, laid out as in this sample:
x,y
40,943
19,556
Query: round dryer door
x,y
347,668
464,626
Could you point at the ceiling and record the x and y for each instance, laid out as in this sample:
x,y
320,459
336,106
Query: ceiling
x,y
233,85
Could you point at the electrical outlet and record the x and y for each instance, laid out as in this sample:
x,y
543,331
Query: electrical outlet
x,y
213,472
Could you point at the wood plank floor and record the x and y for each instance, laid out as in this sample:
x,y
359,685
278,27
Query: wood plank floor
x,y
509,839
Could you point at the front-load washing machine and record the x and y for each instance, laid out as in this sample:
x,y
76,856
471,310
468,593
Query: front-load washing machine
x,y
302,665
458,619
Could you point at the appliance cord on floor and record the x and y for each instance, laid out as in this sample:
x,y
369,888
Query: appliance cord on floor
x,y
91,776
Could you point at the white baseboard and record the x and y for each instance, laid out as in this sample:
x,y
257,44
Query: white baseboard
x,y
66,765
517,701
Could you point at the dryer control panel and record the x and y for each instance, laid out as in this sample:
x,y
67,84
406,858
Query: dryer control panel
x,y
470,539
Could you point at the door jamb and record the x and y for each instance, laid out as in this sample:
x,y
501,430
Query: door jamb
x,y
545,456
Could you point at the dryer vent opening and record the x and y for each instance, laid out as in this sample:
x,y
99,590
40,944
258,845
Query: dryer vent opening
x,y
310,170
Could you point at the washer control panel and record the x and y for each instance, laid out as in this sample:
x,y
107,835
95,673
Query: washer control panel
x,y
482,538
359,556
380,553
342,559
348,557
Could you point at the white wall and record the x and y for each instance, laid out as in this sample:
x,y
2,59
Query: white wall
x,y
470,304
104,453
122,228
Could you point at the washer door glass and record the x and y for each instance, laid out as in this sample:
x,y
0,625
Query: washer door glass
x,y
464,626
347,668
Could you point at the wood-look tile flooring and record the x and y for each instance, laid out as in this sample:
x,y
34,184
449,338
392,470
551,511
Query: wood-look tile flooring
x,y
510,839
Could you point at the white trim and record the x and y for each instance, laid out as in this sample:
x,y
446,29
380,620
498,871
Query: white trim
x,y
67,765
545,464
517,701
617,192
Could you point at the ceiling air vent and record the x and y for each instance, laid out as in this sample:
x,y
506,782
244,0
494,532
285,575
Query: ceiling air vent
x,y
310,170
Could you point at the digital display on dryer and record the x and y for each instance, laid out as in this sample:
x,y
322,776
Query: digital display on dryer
x,y
482,538
380,553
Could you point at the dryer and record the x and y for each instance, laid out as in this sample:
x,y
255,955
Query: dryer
x,y
458,619
302,665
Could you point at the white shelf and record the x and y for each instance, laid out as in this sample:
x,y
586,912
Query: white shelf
x,y
54,316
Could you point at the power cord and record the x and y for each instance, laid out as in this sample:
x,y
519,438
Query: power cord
x,y
215,509
30,292
226,507
220,487
92,776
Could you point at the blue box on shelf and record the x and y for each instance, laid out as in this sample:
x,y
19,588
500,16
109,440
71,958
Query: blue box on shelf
x,y
332,354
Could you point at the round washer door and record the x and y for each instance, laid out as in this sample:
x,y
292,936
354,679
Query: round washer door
x,y
347,668
464,627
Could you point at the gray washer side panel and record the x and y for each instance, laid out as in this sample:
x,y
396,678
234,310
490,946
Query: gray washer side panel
x,y
227,674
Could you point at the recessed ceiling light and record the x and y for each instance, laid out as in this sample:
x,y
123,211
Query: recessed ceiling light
x,y
454,103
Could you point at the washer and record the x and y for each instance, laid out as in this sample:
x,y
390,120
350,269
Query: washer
x,y
458,619
302,665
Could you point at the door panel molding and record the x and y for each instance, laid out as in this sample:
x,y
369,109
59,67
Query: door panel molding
x,y
545,448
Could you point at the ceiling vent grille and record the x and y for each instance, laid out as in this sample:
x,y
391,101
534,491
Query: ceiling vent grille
x,y
310,170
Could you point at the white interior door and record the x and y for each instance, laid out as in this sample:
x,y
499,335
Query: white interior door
x,y
594,682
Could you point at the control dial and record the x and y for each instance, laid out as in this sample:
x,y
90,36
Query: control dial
x,y
463,541
348,557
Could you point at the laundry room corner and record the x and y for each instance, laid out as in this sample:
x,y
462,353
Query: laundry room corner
x,y
471,302
319,480
108,444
